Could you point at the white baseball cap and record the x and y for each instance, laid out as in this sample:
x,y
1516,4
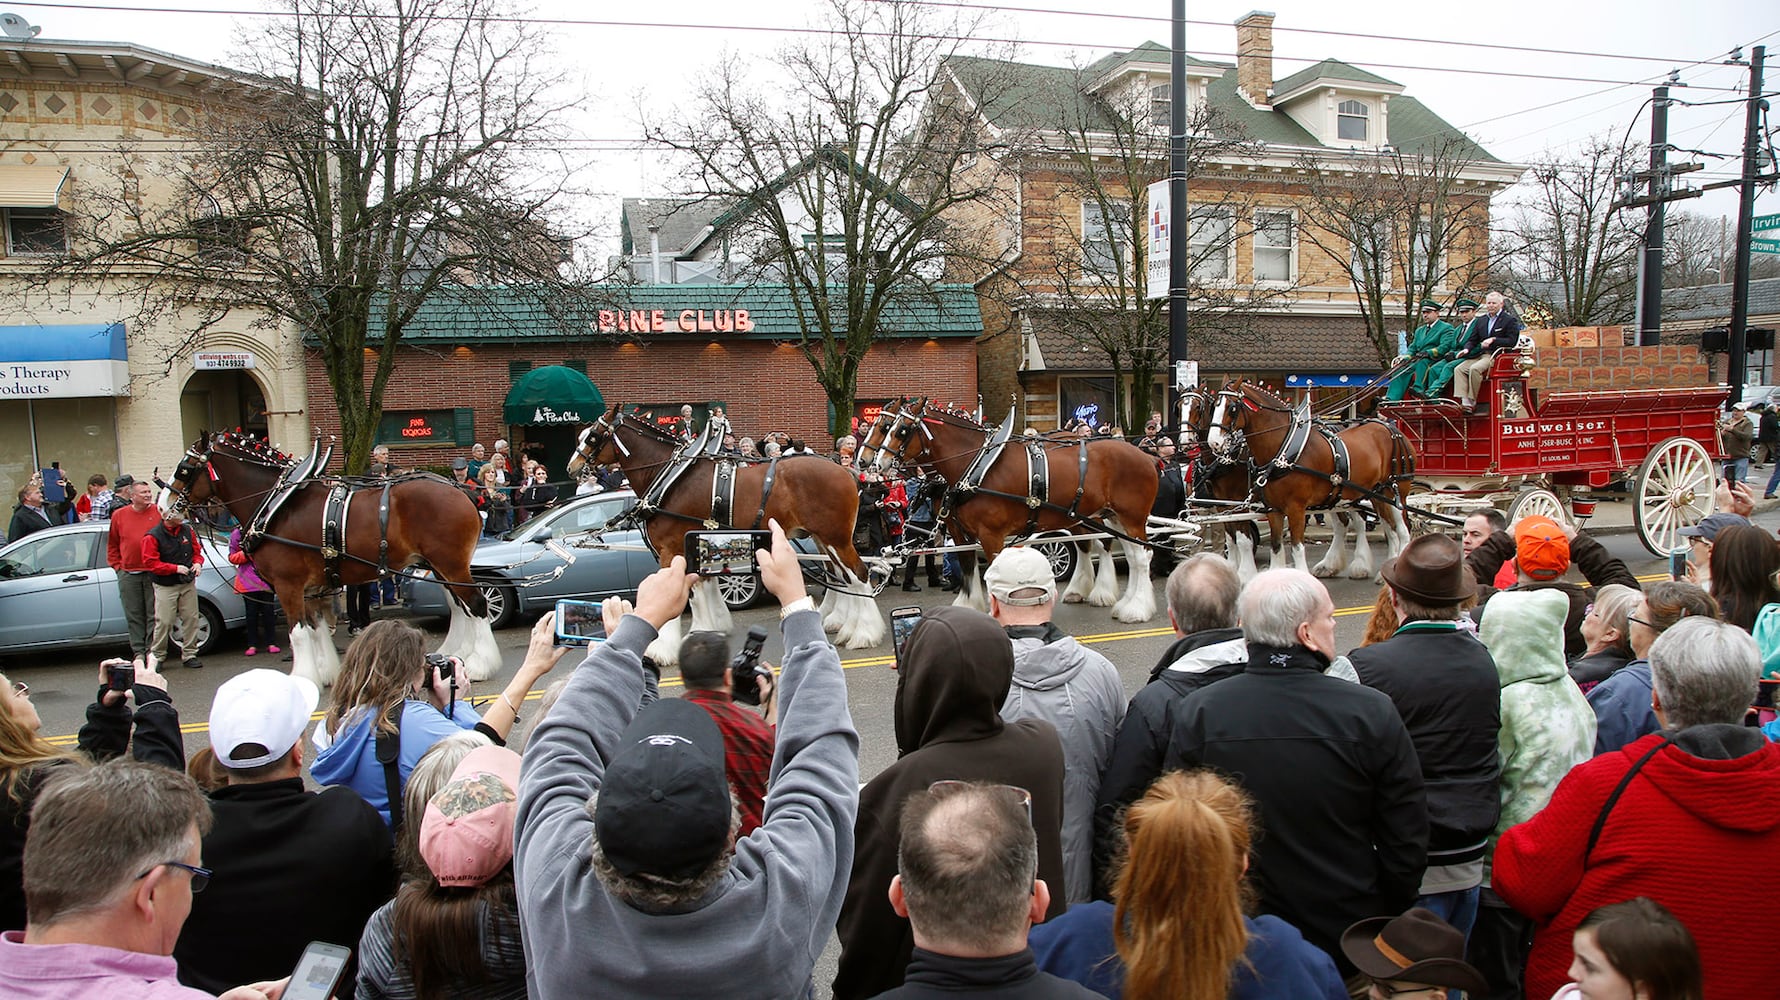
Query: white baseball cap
x,y
1021,569
259,715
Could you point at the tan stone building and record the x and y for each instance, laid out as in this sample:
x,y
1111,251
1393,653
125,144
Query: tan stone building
x,y
89,375
1272,292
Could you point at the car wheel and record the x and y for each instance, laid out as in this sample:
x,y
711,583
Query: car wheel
x,y
739,592
1062,556
503,604
210,631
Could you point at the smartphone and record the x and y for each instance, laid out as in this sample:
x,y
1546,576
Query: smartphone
x,y
580,623
725,553
318,972
120,675
902,622
1678,564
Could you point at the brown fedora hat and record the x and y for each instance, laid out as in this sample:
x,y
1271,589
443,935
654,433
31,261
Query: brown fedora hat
x,y
1431,569
1417,947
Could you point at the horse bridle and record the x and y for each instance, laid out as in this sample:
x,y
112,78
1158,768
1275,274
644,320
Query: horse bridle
x,y
896,435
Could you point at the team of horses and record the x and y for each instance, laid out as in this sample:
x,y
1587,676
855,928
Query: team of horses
x,y
1254,448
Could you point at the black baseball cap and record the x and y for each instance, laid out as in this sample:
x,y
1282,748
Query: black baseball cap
x,y
664,803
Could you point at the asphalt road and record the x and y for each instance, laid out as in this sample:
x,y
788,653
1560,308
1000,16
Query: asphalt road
x,y
63,686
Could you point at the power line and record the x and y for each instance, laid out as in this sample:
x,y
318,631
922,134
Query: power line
x,y
1153,18
697,26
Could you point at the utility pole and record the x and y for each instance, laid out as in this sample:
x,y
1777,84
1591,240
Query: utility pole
x,y
1650,291
1752,143
1179,238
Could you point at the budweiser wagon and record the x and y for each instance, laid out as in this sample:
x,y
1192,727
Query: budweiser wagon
x,y
1556,422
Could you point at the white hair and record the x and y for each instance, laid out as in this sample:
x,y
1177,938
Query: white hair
x,y
1704,671
1276,602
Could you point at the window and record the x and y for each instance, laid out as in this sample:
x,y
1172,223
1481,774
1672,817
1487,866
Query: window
x,y
1106,236
1419,269
1162,105
1273,245
1211,246
1371,255
1351,120
34,232
69,553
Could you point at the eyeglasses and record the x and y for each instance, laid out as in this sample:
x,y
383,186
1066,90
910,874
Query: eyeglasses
x,y
20,688
1021,795
200,876
1649,625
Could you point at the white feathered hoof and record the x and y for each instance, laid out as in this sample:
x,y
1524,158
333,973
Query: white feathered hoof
x,y
665,650
313,655
1326,567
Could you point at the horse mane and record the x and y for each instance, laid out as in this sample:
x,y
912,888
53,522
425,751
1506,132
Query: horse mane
x,y
251,449
630,417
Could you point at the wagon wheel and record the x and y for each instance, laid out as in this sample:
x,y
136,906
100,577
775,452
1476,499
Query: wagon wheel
x,y
1419,490
1541,501
1674,488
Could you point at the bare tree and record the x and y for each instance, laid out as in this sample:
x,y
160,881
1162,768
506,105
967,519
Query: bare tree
x,y
1116,148
389,153
838,176
1696,249
1402,224
1565,247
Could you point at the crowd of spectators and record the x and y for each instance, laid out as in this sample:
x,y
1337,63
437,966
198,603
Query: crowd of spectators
x,y
1456,805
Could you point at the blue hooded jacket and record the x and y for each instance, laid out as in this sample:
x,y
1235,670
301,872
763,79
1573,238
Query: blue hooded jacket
x,y
350,758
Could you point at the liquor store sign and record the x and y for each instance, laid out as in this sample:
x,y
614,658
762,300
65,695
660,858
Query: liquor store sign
x,y
439,428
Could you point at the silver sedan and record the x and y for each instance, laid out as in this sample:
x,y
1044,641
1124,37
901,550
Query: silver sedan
x,y
57,592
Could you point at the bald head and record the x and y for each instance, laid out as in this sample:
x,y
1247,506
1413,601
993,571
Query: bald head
x,y
968,860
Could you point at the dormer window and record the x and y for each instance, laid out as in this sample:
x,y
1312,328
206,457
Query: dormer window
x,y
1352,119
1162,105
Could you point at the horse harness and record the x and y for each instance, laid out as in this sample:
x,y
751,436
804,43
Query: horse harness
x,y
706,447
1292,449
333,527
290,480
1038,476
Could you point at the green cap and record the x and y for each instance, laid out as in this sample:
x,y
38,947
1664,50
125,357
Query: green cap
x,y
1430,304
1467,304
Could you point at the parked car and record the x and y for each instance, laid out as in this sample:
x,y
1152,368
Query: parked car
x,y
57,592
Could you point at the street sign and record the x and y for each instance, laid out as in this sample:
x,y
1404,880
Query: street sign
x,y
1764,246
1766,223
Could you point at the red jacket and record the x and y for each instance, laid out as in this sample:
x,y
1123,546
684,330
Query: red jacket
x,y
1696,831
123,544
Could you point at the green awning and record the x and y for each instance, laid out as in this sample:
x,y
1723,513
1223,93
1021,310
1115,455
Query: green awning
x,y
553,395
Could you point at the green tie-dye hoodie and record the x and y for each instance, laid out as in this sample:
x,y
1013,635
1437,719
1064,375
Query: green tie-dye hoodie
x,y
1547,726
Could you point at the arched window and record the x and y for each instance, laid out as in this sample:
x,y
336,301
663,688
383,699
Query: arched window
x,y
1351,119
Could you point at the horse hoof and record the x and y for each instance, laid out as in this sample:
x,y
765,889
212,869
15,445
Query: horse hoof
x,y
1072,598
1324,570
1359,573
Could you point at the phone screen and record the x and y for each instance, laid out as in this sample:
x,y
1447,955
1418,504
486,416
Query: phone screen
x,y
902,622
317,972
579,623
1678,564
725,553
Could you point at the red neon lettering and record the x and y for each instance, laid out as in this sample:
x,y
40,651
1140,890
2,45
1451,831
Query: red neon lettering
x,y
724,320
743,324
639,320
658,321
686,321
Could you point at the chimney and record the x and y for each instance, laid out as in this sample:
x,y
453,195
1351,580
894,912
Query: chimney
x,y
1254,56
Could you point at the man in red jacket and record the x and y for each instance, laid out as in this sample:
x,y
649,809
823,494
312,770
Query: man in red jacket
x,y
1692,828
123,552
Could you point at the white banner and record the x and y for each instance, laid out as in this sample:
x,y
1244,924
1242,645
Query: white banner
x,y
1156,272
63,379
212,361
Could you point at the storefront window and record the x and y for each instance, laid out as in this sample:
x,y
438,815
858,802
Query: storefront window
x,y
1090,398
80,433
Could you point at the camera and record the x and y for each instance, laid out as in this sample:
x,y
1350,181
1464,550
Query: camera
x,y
725,553
445,665
120,675
746,667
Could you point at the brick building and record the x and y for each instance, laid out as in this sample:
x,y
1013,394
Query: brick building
x,y
656,348
1273,292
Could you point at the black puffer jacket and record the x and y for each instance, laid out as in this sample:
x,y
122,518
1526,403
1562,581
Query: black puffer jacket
x,y
1136,762
1446,689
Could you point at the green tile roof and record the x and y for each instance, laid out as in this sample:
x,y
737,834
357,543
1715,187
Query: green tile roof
x,y
507,315
1331,69
1025,95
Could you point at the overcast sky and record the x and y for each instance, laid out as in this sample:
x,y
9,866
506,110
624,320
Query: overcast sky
x,y
1633,43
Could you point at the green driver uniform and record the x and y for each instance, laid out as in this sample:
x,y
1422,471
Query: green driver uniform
x,y
1431,343
1439,375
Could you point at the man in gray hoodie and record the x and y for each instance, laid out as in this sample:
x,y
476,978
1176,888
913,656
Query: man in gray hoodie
x,y
631,882
1065,683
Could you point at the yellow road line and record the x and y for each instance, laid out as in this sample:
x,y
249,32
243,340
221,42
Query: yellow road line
x,y
864,661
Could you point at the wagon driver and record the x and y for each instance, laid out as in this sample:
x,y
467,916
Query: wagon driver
x,y
1433,341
